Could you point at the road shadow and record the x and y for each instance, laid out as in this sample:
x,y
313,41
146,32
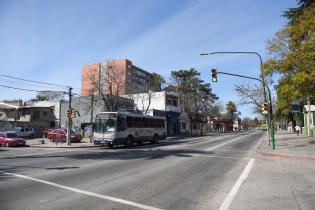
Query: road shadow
x,y
116,154
7,177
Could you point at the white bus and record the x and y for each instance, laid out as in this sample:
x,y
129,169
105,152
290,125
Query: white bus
x,y
124,128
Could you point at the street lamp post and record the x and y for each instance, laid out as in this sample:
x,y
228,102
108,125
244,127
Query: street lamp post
x,y
271,126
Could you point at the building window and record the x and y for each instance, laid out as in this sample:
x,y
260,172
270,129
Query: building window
x,y
36,115
45,113
195,127
184,126
25,111
174,102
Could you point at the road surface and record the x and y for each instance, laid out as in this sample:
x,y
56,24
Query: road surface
x,y
191,173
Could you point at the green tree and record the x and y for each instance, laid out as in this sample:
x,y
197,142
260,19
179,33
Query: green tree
x,y
196,97
292,56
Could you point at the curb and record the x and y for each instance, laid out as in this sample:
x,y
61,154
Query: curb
x,y
286,156
69,147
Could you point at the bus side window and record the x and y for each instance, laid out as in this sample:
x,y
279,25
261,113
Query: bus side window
x,y
152,123
160,123
137,122
146,122
129,122
121,123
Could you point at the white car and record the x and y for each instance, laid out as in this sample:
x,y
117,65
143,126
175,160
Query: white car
x,y
24,132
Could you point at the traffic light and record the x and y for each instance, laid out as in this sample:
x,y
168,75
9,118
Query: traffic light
x,y
214,75
265,108
73,113
69,113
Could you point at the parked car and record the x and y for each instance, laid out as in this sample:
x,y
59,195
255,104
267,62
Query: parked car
x,y
61,135
10,139
24,132
45,132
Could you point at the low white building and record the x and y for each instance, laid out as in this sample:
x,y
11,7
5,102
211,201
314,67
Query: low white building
x,y
162,103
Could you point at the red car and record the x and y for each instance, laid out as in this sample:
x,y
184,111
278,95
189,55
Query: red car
x,y
10,139
61,135
45,132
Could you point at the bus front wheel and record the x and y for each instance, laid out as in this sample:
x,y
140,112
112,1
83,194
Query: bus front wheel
x,y
128,142
155,139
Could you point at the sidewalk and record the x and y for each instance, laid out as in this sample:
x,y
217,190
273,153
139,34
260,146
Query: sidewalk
x,y
280,179
289,145
46,143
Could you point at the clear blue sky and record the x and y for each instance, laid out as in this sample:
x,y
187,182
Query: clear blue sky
x,y
50,40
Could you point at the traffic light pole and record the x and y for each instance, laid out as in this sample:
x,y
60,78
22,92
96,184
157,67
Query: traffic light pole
x,y
69,118
270,102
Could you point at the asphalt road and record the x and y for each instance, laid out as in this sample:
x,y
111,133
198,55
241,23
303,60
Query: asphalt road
x,y
191,173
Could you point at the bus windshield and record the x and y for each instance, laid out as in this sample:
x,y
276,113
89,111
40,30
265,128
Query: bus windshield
x,y
105,125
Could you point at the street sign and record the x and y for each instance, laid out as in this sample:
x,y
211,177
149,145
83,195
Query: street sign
x,y
295,105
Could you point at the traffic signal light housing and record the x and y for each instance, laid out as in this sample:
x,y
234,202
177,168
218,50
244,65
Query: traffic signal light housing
x,y
73,113
214,73
265,108
69,112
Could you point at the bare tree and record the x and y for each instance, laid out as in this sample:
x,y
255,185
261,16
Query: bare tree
x,y
144,96
107,83
49,95
250,95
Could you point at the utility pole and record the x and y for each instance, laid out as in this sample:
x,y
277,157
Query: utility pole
x,y
69,118
91,119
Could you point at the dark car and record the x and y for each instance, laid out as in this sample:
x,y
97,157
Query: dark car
x,y
11,139
61,135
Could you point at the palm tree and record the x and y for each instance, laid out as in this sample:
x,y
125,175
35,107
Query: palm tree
x,y
231,109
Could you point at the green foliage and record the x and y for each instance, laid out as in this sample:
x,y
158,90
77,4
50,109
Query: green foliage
x,y
196,97
231,108
292,55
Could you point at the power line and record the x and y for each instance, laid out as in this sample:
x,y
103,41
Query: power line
x,y
46,83
20,88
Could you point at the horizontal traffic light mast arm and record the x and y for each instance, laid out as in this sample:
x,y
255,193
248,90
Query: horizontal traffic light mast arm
x,y
237,75
253,78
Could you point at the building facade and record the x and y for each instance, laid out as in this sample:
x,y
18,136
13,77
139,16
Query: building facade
x,y
163,104
116,77
87,108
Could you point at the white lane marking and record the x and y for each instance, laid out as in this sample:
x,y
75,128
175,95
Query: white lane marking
x,y
217,156
190,142
229,198
33,154
220,145
105,197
